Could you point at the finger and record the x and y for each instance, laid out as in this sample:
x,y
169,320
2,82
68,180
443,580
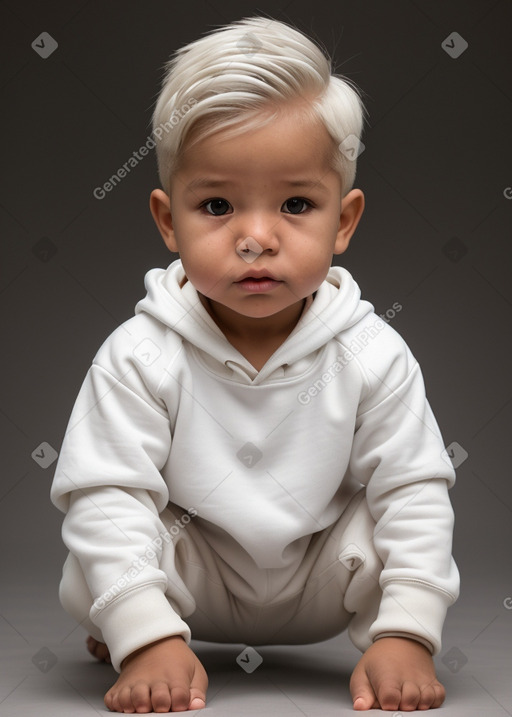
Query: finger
x,y
98,649
389,695
432,696
92,645
363,696
427,697
198,688
411,695
160,697
180,699
197,698
180,687
108,700
124,699
197,703
111,700
140,697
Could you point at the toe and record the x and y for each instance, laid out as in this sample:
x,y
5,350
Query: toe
x,y
160,697
141,698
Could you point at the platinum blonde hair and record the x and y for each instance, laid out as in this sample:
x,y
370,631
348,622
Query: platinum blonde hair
x,y
233,77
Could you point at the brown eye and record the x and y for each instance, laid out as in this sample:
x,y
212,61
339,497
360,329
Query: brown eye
x,y
217,207
296,205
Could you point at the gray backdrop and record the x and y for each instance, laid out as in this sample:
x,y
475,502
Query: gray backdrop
x,y
435,237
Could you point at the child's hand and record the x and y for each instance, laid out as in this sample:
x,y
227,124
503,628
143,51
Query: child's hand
x,y
396,673
165,676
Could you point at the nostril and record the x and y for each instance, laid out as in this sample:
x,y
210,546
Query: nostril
x,y
249,249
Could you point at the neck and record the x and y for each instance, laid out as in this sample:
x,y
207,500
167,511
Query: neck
x,y
254,329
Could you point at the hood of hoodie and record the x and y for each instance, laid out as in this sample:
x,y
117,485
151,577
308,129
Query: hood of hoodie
x,y
336,307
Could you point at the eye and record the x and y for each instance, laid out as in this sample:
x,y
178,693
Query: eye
x,y
216,207
296,205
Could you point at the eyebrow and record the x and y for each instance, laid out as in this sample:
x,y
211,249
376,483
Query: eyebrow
x,y
308,184
206,182
201,182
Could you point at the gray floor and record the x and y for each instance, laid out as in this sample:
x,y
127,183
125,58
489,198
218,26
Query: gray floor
x,y
46,671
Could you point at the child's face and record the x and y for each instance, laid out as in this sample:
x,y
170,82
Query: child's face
x,y
273,185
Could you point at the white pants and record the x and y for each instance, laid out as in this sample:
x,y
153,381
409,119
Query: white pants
x,y
335,587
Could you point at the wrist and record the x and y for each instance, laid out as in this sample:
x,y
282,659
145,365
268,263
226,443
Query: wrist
x,y
147,647
410,638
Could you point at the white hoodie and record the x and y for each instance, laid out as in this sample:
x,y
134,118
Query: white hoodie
x,y
171,411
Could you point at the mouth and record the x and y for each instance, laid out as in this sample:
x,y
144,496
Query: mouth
x,y
258,283
258,275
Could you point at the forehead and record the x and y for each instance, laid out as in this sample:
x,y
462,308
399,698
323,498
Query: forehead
x,y
289,142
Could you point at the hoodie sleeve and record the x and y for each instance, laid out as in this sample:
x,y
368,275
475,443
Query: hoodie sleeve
x,y
108,483
397,455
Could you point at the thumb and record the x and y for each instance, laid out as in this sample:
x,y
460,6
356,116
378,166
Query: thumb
x,y
363,703
198,688
363,696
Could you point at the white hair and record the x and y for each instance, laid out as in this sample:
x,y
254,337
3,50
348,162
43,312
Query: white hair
x,y
233,75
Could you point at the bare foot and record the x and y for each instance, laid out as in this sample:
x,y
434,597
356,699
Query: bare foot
x,y
396,673
98,649
165,676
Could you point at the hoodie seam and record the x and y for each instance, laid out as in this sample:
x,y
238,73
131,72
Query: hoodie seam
x,y
269,381
166,371
418,583
361,369
121,380
128,593
393,391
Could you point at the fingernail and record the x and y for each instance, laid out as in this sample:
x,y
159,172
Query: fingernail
x,y
197,704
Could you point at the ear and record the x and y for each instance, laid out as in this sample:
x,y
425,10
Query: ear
x,y
160,206
352,206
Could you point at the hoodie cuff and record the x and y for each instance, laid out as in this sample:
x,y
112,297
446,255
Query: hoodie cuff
x,y
413,610
137,618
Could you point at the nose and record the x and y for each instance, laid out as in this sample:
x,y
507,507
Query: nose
x,y
256,235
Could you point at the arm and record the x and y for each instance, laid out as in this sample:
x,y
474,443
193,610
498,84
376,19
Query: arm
x,y
108,483
397,455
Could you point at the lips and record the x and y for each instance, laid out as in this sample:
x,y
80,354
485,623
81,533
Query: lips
x,y
256,279
258,285
258,275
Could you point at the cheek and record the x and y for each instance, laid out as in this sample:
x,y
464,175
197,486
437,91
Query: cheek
x,y
315,261
316,252
202,264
